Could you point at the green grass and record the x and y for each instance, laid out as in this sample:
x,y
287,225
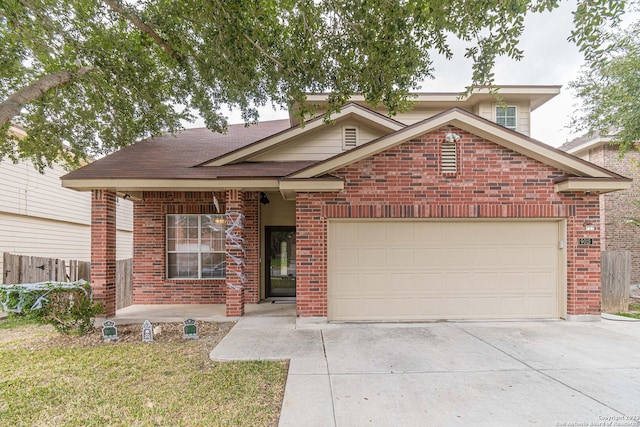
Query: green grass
x,y
632,315
173,384
633,312
15,322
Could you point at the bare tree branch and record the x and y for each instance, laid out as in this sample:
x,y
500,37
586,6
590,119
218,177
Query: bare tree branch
x,y
136,21
10,107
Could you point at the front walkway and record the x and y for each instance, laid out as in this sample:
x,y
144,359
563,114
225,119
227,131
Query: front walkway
x,y
448,374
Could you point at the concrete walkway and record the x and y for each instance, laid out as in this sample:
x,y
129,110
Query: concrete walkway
x,y
449,374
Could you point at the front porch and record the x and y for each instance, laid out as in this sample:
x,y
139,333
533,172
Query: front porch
x,y
155,313
212,253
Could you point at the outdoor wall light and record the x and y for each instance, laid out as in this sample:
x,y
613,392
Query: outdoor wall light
x,y
452,137
589,226
264,199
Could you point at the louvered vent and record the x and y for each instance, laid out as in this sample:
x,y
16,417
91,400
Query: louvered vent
x,y
449,157
349,137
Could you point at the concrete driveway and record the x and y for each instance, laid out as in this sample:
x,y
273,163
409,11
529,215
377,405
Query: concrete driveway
x,y
449,374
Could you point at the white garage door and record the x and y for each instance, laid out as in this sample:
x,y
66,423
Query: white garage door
x,y
418,270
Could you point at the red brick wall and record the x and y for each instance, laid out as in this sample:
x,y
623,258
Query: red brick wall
x,y
251,236
617,207
103,249
406,182
150,285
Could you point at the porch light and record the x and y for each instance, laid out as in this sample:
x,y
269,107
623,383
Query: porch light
x,y
589,226
263,198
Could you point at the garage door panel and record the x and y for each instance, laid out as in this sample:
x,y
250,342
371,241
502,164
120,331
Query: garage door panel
x,y
400,258
426,257
415,270
372,258
399,233
345,258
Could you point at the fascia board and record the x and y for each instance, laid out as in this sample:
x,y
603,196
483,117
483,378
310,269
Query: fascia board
x,y
263,184
592,185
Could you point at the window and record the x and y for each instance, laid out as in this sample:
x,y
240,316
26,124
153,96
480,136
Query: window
x,y
449,159
506,116
349,137
196,247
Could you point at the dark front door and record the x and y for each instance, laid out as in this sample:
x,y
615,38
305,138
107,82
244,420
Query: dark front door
x,y
280,255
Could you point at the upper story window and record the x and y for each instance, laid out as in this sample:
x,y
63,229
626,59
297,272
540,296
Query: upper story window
x,y
196,247
506,116
349,137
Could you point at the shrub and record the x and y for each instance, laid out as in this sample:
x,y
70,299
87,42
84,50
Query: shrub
x,y
68,307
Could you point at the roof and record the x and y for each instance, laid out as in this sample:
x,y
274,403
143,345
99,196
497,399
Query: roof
x,y
474,124
200,160
585,142
537,95
174,156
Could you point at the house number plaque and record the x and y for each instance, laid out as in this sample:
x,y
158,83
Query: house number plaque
x,y
585,241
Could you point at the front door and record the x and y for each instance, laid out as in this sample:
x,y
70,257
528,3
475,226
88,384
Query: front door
x,y
280,255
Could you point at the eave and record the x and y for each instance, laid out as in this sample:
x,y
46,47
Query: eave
x,y
290,187
591,185
134,187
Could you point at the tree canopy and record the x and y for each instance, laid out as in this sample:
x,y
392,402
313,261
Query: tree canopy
x,y
609,82
85,77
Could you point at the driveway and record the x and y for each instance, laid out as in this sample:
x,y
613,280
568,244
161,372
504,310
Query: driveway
x,y
449,374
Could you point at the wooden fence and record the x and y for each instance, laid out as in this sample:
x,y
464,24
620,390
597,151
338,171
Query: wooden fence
x,y
124,283
616,280
30,269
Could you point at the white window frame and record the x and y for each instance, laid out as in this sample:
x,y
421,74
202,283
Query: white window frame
x,y
199,251
506,116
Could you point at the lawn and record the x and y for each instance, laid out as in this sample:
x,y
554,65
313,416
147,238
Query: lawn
x,y
49,380
634,311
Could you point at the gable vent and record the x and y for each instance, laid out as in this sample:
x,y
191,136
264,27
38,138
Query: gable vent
x,y
349,137
449,157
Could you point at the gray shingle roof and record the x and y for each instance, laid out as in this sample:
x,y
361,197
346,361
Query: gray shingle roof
x,y
177,157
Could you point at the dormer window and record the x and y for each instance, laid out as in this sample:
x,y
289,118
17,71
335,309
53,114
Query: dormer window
x,y
506,116
349,137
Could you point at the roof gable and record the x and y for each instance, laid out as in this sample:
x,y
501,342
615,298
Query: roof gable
x,y
352,112
473,124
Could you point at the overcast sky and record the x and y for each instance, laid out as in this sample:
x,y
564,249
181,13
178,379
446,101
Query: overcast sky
x,y
549,59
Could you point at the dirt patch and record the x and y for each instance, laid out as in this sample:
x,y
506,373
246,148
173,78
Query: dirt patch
x,y
35,336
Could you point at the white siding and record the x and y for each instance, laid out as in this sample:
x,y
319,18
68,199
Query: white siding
x,y
39,217
413,116
319,145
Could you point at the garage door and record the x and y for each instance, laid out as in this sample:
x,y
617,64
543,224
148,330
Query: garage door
x,y
418,270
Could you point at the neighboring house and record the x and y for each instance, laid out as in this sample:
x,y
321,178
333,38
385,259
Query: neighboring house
x,y
439,213
40,218
616,230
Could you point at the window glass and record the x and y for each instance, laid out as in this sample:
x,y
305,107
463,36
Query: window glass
x,y
506,116
196,246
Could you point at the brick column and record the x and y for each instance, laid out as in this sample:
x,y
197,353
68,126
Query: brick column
x,y
103,249
236,254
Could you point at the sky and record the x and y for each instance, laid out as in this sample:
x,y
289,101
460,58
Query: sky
x,y
549,59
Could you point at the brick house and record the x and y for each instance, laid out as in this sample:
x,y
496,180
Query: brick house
x,y
449,211
617,233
